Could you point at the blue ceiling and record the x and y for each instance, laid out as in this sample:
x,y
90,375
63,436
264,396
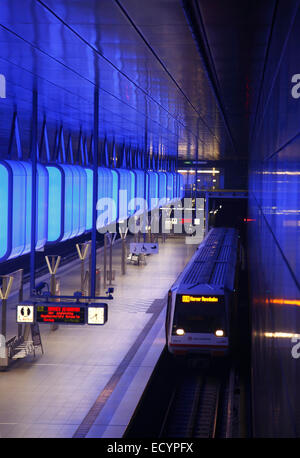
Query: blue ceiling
x,y
154,89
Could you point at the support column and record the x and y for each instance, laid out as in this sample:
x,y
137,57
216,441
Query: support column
x,y
105,261
124,250
110,259
95,192
82,250
33,188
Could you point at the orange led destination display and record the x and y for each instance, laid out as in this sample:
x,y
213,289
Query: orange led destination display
x,y
186,298
62,314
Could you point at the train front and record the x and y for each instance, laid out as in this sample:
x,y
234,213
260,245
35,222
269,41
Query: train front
x,y
199,325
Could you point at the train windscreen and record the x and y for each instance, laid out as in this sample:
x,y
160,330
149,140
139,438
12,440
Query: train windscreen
x,y
199,314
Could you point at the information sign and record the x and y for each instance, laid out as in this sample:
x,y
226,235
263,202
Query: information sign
x,y
25,313
60,313
144,248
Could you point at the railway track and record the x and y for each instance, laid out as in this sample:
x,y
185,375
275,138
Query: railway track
x,y
200,406
185,402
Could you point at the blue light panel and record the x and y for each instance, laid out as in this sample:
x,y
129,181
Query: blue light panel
x,y
115,195
107,189
4,211
67,202
18,200
162,187
175,195
16,210
75,202
27,199
79,186
64,200
139,190
82,200
153,190
140,184
125,189
42,205
55,203
181,186
132,192
67,196
89,199
170,186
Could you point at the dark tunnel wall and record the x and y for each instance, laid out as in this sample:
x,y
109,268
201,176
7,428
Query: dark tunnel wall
x,y
274,238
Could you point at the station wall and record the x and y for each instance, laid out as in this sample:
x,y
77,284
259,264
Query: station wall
x,y
274,236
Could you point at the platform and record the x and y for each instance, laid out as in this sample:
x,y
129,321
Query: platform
x,y
90,379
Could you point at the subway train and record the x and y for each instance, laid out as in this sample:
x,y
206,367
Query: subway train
x,y
64,201
201,308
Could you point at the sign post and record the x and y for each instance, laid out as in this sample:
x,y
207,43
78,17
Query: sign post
x,y
21,284
111,239
123,234
104,260
82,250
55,261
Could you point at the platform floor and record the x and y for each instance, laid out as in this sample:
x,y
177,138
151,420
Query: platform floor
x,y
90,379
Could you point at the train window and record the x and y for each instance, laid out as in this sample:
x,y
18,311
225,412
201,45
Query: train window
x,y
199,317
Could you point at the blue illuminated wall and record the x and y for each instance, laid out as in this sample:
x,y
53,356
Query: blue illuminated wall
x,y
126,192
274,238
54,204
16,208
170,186
108,185
153,190
4,178
89,198
67,208
162,176
64,201
139,203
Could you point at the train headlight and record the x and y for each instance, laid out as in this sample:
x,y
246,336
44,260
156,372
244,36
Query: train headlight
x,y
219,333
180,332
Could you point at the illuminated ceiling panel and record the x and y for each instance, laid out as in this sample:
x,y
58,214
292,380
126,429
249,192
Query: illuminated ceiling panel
x,y
142,55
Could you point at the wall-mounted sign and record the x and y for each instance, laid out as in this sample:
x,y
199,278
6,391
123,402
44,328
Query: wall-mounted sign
x,y
60,313
25,313
144,248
